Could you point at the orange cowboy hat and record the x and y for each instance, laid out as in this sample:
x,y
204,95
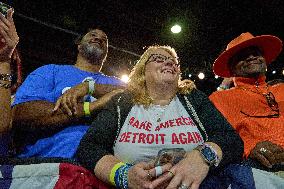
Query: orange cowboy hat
x,y
269,45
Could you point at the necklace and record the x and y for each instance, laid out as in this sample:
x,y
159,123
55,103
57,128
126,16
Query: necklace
x,y
160,111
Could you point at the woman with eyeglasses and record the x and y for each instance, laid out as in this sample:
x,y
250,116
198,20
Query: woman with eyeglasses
x,y
8,54
160,118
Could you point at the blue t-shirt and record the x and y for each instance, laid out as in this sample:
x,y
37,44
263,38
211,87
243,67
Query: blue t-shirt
x,y
48,83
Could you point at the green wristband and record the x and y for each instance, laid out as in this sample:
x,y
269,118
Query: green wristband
x,y
87,109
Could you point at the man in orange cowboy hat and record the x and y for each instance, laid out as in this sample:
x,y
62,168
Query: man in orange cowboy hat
x,y
255,109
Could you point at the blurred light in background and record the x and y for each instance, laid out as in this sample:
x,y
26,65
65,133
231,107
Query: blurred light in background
x,y
125,78
176,29
201,75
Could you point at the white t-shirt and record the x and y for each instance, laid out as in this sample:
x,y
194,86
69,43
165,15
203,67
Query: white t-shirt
x,y
146,131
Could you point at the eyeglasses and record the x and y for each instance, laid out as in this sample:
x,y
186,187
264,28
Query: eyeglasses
x,y
159,58
270,99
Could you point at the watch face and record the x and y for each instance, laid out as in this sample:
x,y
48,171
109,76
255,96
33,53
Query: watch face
x,y
208,154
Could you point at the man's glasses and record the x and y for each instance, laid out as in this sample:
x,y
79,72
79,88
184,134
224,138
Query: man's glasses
x,y
159,58
270,99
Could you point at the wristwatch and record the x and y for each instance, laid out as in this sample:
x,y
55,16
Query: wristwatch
x,y
209,154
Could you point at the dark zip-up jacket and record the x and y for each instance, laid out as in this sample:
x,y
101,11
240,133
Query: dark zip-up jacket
x,y
100,138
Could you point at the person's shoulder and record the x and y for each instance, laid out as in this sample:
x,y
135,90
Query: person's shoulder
x,y
195,95
226,92
46,68
196,92
42,70
225,95
101,78
107,76
50,66
62,66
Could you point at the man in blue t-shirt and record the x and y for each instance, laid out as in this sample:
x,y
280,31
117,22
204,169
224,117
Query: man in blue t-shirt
x,y
49,114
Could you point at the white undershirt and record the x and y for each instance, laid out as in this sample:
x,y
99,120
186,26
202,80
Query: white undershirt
x,y
146,131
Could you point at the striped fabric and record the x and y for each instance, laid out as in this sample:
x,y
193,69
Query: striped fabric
x,y
70,176
48,176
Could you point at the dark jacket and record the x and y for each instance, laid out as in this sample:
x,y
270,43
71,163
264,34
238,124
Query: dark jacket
x,y
100,138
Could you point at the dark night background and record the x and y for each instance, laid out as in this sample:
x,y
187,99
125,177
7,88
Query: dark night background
x,y
48,28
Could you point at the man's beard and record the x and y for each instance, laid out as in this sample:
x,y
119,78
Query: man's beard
x,y
92,53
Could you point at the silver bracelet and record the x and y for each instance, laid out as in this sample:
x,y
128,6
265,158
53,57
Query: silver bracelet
x,y
91,84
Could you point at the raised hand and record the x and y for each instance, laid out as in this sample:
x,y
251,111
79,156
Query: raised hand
x,y
8,36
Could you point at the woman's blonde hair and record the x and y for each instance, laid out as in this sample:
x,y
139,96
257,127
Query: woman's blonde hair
x,y
137,84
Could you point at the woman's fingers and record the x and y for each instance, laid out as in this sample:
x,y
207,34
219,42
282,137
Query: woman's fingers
x,y
160,174
137,176
175,182
165,178
159,170
147,165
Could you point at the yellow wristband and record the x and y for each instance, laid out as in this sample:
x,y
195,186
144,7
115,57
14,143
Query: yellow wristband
x,y
112,172
87,109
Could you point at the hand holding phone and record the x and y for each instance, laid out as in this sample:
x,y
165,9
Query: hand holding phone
x,y
169,155
9,39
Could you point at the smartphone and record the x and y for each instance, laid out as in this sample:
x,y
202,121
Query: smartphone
x,y
169,155
4,8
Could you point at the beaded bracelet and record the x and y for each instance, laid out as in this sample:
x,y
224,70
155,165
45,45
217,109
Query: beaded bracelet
x,y
6,77
112,172
5,85
121,176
